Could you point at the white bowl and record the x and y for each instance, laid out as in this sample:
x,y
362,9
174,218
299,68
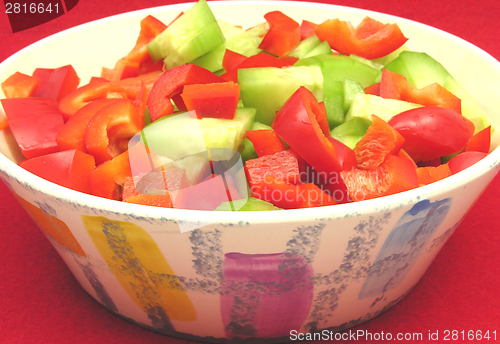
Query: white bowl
x,y
186,273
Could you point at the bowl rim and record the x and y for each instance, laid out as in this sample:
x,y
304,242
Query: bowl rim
x,y
385,203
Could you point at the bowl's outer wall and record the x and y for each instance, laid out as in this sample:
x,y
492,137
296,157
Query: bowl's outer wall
x,y
319,269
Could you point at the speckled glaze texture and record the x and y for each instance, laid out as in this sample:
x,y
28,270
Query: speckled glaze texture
x,y
228,281
253,276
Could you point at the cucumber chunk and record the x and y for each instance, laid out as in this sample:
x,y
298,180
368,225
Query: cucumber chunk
x,y
267,88
366,105
191,35
181,135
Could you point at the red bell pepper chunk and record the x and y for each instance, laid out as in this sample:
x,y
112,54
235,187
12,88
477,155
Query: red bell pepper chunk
x,y
480,142
307,29
368,40
20,85
283,35
110,129
297,124
265,141
123,69
218,100
373,89
289,196
150,28
430,174
99,88
72,134
35,123
107,179
379,141
56,83
465,159
69,168
259,60
172,83
346,155
396,174
396,86
232,59
432,132
285,166
138,61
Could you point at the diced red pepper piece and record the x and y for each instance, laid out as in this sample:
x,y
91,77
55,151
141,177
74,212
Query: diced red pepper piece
x,y
259,60
285,166
430,174
265,141
396,86
99,88
69,168
20,85
368,40
346,155
150,28
232,59
138,61
72,134
396,174
283,35
307,29
480,142
110,129
289,196
373,89
432,132
35,123
218,100
107,179
465,159
172,83
56,83
379,141
123,69
297,124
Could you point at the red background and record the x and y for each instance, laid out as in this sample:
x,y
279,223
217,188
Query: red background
x,y
41,302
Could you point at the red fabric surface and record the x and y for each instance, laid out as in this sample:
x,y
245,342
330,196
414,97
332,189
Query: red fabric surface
x,y
41,302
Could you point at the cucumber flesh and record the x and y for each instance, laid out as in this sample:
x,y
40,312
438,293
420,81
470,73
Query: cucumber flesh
x,y
181,135
191,35
366,105
267,88
351,131
249,204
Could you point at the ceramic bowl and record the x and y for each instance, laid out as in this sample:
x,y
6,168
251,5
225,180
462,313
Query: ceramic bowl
x,y
216,276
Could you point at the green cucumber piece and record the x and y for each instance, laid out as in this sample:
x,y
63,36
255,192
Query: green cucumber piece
x,y
351,87
351,131
249,204
191,35
366,105
321,49
181,135
245,43
305,47
267,88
